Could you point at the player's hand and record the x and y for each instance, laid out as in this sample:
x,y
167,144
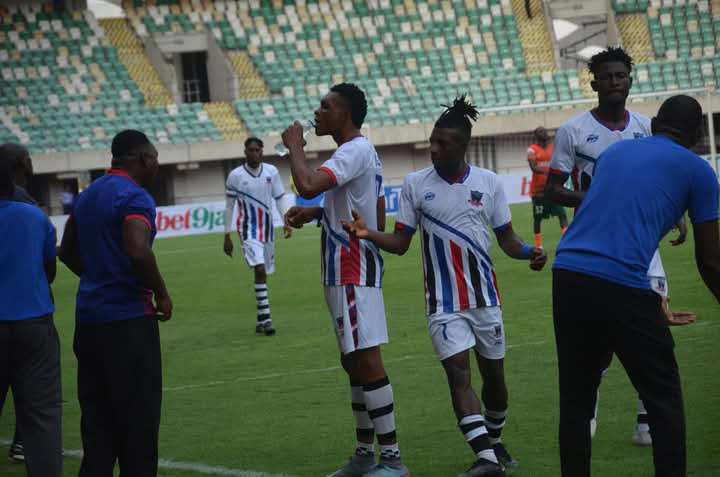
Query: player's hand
x,y
163,307
228,246
538,258
295,217
293,136
356,227
682,232
288,231
677,318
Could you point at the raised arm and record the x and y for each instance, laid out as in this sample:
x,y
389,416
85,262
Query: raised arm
x,y
397,242
707,254
514,247
309,183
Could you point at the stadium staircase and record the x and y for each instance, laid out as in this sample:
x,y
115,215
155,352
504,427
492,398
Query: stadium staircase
x,y
131,53
534,36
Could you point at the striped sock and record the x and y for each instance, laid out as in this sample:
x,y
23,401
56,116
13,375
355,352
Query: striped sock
x,y
380,407
363,424
263,304
473,428
495,421
642,418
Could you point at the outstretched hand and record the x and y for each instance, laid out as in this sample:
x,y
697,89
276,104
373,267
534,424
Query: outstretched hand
x,y
356,227
677,318
538,258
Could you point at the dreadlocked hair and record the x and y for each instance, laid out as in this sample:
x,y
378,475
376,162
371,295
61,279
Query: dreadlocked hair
x,y
458,116
611,54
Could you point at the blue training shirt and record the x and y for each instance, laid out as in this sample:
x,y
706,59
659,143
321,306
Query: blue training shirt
x,y
640,189
28,242
109,287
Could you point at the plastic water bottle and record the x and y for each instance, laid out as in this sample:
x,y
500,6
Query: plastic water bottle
x,y
307,126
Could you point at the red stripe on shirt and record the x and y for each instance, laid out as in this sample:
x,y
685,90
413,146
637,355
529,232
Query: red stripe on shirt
x,y
329,172
457,259
261,214
350,262
139,217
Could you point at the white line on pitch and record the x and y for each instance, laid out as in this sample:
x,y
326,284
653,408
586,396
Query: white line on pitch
x,y
189,466
303,371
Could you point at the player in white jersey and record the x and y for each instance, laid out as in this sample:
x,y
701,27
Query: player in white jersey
x,y
351,269
578,144
459,207
253,187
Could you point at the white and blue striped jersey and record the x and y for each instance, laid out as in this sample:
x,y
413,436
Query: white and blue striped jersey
x,y
254,193
457,220
356,172
580,141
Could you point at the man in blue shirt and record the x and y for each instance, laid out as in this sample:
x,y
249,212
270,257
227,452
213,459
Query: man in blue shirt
x,y
602,300
29,345
108,244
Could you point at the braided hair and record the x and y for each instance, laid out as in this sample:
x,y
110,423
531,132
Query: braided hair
x,y
458,116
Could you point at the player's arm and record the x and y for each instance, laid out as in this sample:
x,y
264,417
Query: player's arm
x,y
397,242
229,209
67,252
562,163
297,216
514,247
136,242
682,229
534,165
282,210
309,183
381,213
707,254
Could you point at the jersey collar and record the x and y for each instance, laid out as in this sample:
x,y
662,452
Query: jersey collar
x,y
603,123
459,180
119,173
260,170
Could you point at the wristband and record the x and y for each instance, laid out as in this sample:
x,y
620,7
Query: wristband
x,y
525,251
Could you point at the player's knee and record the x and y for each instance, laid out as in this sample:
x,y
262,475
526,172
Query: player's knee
x,y
492,370
458,373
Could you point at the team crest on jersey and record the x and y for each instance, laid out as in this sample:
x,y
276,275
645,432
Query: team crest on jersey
x,y
429,195
661,285
638,135
592,138
268,180
475,198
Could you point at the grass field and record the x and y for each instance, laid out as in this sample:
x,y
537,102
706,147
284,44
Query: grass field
x,y
281,405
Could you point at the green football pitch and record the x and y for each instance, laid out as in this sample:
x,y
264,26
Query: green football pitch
x,y
234,402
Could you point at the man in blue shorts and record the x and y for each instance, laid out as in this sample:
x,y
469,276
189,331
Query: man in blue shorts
x,y
29,345
108,244
602,298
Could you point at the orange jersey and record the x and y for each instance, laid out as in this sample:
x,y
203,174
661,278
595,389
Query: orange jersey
x,y
541,157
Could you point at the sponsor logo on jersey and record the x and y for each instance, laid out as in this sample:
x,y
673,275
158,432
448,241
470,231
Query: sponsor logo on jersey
x,y
475,198
268,180
592,138
429,195
661,285
638,135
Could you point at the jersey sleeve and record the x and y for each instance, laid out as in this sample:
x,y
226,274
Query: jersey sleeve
x,y
139,206
230,189
49,246
531,156
563,158
501,215
278,189
703,203
347,163
407,216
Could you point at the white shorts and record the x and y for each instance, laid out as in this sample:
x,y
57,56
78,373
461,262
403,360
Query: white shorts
x,y
478,328
260,253
358,315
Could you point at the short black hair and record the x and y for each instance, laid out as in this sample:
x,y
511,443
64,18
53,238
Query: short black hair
x,y
611,54
14,153
458,116
7,187
128,142
355,99
254,139
680,113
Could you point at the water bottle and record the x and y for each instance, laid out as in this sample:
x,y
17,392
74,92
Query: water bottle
x,y
307,126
